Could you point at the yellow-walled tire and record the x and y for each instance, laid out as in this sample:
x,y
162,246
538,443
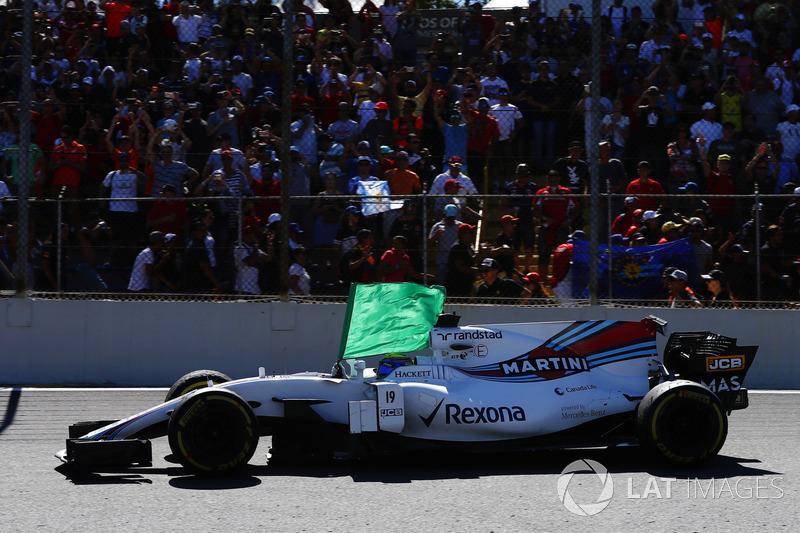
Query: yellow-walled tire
x,y
195,380
213,432
682,422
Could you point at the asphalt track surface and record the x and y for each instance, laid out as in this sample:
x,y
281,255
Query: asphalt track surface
x,y
752,486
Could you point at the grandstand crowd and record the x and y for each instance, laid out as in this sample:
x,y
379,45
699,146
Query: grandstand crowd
x,y
180,102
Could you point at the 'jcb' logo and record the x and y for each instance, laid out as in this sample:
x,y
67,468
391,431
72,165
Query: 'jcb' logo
x,y
723,363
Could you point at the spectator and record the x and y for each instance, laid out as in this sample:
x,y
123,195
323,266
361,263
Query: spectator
x,y
443,235
395,264
534,290
168,215
625,221
766,105
554,207
358,264
494,286
200,276
707,126
167,171
482,134
461,263
647,190
122,185
719,291
502,246
616,127
516,202
299,279
144,267
679,295
788,133
410,227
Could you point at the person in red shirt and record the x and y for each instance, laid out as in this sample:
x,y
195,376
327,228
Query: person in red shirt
x,y
721,185
407,123
624,221
299,97
643,186
482,132
168,215
554,207
47,124
395,263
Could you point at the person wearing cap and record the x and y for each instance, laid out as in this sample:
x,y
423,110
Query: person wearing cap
x,y
708,127
214,161
494,286
509,121
379,129
721,185
453,172
651,228
442,236
653,110
727,144
689,202
679,294
788,132
364,167
534,292
643,186
516,203
554,207
351,223
502,246
144,269
718,291
369,98
123,214
453,128
671,232
624,221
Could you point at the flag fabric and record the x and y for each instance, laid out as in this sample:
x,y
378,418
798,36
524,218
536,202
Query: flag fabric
x,y
389,317
374,190
632,272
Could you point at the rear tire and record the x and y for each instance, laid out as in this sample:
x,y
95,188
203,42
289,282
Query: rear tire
x,y
213,432
195,380
682,422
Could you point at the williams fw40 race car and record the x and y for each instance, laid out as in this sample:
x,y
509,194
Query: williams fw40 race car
x,y
492,387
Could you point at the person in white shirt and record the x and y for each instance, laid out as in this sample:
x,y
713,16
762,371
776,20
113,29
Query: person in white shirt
x,y
187,25
707,126
299,280
491,84
246,257
454,173
789,132
144,267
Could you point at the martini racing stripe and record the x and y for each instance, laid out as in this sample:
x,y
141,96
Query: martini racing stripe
x,y
580,332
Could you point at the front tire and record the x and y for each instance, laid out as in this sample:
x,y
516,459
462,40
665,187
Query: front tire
x,y
195,380
213,432
682,422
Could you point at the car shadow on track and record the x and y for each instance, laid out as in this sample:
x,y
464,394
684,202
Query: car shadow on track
x,y
408,468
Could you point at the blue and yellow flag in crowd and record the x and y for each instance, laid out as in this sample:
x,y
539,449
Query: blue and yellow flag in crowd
x,y
632,272
389,317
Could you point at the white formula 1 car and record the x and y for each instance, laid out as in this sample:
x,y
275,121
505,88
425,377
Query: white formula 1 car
x,y
483,387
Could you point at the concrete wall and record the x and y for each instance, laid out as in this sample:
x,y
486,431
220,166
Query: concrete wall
x,y
44,342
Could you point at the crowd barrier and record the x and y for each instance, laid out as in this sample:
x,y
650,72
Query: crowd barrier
x,y
151,344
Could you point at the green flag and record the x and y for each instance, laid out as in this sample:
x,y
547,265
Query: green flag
x,y
389,317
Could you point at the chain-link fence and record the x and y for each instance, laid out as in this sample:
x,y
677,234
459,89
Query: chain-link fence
x,y
690,107
522,249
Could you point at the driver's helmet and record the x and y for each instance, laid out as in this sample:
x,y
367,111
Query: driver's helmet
x,y
391,361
